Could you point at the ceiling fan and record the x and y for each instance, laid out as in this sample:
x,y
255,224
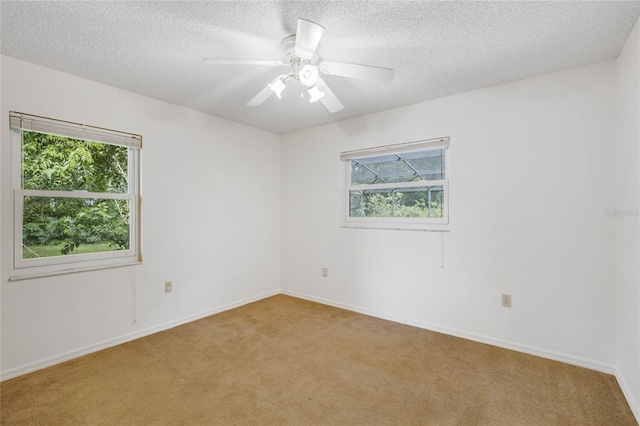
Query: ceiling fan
x,y
300,54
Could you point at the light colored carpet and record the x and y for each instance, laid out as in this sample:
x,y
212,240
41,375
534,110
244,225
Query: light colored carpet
x,y
288,361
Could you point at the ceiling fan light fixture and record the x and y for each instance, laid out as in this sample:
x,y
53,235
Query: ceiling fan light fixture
x,y
277,86
315,94
308,75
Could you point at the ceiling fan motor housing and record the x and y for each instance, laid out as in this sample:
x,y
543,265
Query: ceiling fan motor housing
x,y
303,69
288,45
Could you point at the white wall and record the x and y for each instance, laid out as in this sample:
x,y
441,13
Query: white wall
x,y
210,222
628,145
532,170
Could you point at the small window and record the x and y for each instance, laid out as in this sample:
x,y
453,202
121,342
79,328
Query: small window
x,y
76,196
401,186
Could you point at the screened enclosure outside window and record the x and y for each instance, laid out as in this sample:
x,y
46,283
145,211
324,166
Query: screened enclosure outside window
x,y
398,186
76,196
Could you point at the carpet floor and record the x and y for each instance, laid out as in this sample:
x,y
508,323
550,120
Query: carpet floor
x,y
284,360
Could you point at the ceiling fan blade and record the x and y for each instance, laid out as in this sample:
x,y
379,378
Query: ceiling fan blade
x,y
260,97
308,37
268,62
362,72
329,100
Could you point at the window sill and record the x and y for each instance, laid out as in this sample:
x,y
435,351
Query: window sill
x,y
28,274
397,226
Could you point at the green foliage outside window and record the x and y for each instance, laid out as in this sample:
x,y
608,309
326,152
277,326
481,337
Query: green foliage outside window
x,y
58,225
398,203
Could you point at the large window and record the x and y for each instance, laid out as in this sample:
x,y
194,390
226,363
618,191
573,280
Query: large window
x,y
401,186
76,196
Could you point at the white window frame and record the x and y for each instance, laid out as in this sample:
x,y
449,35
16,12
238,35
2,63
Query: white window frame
x,y
399,223
57,265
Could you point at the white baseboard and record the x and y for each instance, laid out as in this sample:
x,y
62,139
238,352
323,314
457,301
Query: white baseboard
x,y
633,404
57,359
556,356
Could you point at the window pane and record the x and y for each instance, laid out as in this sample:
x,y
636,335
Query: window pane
x,y
69,226
360,174
62,164
421,202
401,167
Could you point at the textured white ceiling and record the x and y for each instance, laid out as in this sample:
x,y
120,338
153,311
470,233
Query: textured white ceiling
x,y
436,48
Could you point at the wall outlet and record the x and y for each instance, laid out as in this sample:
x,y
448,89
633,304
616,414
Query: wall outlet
x,y
506,300
325,272
168,286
